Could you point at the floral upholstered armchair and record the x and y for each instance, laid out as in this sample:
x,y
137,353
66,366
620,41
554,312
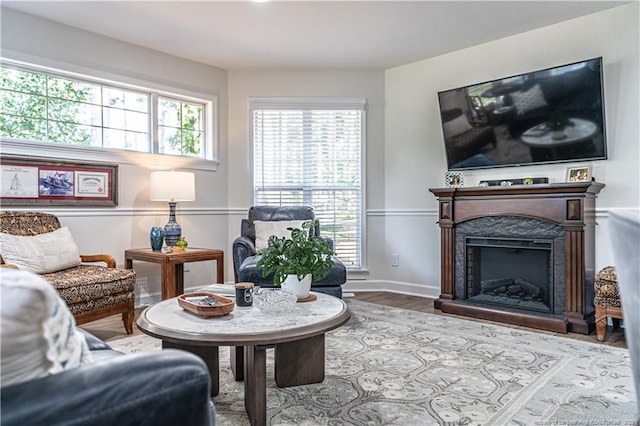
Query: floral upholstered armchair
x,y
36,242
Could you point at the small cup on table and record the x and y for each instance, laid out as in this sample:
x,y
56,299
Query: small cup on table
x,y
244,294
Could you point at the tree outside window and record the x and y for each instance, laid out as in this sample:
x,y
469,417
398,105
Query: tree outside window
x,y
41,106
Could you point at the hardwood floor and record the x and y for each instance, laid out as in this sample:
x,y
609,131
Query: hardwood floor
x,y
112,328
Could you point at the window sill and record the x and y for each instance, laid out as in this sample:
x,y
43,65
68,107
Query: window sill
x,y
82,153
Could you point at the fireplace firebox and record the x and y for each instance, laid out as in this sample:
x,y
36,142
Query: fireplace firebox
x,y
523,255
512,273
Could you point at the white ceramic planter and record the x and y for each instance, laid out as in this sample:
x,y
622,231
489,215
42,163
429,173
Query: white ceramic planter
x,y
300,288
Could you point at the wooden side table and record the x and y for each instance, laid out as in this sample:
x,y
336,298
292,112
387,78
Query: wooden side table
x,y
172,274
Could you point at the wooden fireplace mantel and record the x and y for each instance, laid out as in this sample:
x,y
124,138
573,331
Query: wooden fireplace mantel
x,y
570,205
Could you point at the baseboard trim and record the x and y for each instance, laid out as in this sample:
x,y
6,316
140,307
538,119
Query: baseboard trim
x,y
410,289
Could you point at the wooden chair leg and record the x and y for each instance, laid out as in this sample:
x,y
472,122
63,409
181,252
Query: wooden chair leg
x,y
601,323
128,317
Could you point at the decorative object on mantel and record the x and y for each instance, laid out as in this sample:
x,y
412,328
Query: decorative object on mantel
x,y
172,186
454,179
156,237
579,174
509,182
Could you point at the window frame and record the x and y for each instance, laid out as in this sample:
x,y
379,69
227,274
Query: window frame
x,y
320,103
23,147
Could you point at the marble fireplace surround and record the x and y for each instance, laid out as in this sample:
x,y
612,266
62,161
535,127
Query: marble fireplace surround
x,y
561,212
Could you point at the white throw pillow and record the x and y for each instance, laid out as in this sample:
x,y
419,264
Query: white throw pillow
x,y
456,127
42,253
265,229
531,99
38,332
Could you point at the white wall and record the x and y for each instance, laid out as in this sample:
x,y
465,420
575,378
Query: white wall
x,y
414,148
404,153
112,230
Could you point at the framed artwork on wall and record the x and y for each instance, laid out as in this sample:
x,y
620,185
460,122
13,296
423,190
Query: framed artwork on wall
x,y
41,182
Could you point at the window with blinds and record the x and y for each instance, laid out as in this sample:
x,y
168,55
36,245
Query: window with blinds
x,y
309,152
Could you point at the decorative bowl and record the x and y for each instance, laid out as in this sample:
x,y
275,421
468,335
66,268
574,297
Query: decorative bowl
x,y
273,301
194,302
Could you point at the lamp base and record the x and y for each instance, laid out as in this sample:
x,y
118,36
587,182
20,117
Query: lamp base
x,y
172,231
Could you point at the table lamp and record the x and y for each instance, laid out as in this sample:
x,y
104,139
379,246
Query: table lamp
x,y
172,186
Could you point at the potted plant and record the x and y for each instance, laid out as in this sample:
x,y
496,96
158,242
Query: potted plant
x,y
296,260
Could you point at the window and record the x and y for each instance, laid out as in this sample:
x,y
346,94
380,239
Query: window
x,y
38,104
309,152
180,127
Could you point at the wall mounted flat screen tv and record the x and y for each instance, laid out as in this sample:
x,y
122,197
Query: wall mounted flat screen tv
x,y
546,116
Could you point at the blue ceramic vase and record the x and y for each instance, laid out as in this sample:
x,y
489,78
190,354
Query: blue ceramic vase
x,y
157,238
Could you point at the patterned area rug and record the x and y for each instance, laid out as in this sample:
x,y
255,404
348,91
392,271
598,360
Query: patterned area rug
x,y
390,366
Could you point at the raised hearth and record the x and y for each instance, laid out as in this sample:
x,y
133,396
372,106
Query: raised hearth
x,y
523,255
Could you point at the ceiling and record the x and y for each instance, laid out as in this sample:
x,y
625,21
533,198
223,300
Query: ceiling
x,y
308,35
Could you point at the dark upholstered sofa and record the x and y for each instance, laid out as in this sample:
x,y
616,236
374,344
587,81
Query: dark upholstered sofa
x,y
168,387
53,373
245,257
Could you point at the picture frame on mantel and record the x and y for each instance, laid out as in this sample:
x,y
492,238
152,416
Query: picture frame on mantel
x,y
579,174
42,182
454,179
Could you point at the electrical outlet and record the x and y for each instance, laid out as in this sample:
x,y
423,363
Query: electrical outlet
x,y
395,259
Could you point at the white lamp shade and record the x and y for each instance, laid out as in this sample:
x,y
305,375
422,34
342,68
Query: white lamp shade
x,y
172,186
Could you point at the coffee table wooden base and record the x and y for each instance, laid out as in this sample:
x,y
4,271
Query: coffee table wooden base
x,y
293,362
300,362
296,363
297,337
255,384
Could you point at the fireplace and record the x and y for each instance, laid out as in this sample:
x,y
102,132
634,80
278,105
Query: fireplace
x,y
523,254
512,263
512,273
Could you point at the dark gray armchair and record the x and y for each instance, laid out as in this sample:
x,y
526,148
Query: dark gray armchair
x,y
245,257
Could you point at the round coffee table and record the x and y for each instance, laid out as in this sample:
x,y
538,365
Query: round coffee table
x,y
296,335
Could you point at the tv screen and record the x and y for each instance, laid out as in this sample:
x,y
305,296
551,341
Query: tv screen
x,y
546,116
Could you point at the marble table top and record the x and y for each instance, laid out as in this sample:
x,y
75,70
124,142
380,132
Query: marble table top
x,y
244,325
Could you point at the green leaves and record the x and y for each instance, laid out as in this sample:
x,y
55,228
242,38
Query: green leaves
x,y
301,254
42,106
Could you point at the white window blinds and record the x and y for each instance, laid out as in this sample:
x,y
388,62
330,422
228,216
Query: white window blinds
x,y
309,152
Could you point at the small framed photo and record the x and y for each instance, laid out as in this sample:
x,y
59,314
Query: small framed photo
x,y
454,179
579,174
